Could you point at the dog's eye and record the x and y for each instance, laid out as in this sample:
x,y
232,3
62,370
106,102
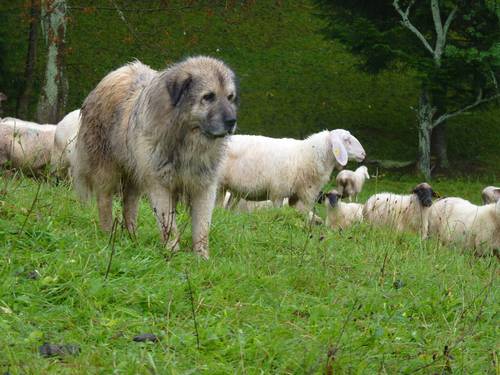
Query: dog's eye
x,y
209,97
230,97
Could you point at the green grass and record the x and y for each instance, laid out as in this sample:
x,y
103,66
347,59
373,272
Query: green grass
x,y
274,298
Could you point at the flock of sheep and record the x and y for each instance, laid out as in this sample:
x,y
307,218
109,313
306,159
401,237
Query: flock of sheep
x,y
246,171
32,147
452,220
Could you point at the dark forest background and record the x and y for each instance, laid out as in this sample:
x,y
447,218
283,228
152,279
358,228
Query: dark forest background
x,y
295,78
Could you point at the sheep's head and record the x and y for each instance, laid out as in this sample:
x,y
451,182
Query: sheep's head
x,y
424,193
351,145
333,198
491,194
364,170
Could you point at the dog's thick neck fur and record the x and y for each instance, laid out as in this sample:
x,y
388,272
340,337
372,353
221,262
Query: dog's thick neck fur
x,y
178,148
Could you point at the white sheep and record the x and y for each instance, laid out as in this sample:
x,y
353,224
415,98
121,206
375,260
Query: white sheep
x,y
490,194
261,168
350,184
401,212
25,145
341,215
458,221
64,142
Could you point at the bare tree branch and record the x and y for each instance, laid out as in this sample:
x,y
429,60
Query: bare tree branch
x,y
479,100
447,24
494,79
120,13
406,22
436,16
132,10
441,32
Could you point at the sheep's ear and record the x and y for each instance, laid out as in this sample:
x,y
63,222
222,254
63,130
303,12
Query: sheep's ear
x,y
177,86
338,149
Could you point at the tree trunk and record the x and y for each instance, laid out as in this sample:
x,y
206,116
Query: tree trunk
x,y
438,139
439,143
51,106
424,116
25,95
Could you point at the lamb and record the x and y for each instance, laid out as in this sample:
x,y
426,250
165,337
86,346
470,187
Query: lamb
x,y
490,194
350,184
401,212
458,221
64,142
260,168
341,215
25,145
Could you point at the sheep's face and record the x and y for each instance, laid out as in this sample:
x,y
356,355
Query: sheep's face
x,y
495,195
365,172
332,198
353,147
424,193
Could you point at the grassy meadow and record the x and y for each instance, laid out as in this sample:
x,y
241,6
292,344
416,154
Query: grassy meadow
x,y
276,296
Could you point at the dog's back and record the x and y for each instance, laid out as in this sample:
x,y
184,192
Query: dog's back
x,y
108,105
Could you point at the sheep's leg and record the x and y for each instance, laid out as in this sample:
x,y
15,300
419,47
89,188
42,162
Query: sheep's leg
x,y
105,208
163,203
230,201
220,201
202,204
131,197
424,229
277,203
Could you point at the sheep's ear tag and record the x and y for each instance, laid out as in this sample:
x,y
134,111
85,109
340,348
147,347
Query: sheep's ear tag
x,y
336,152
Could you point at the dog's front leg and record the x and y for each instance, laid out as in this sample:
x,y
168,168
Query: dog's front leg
x,y
163,203
202,204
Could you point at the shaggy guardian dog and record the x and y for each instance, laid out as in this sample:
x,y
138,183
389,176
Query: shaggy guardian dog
x,y
159,133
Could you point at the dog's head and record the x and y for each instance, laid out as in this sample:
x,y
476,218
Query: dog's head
x,y
425,194
205,91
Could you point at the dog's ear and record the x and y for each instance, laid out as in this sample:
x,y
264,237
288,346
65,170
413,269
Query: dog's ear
x,y
177,86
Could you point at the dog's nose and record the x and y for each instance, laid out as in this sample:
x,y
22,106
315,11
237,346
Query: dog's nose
x,y
230,124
